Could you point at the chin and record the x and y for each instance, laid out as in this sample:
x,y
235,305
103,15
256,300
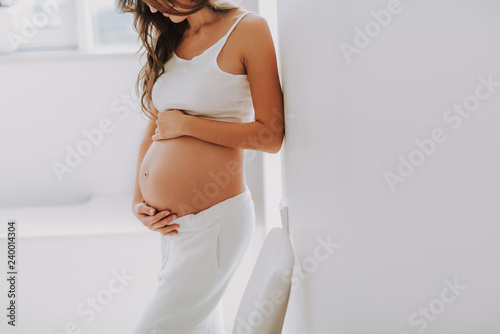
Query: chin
x,y
177,19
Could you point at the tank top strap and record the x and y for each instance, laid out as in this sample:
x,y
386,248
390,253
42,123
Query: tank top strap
x,y
223,40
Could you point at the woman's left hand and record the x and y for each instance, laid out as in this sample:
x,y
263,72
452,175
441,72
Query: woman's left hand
x,y
169,124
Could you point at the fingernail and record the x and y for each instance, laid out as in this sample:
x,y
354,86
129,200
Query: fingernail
x,y
152,211
174,216
167,213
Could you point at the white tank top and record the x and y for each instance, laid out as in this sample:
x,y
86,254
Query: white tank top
x,y
200,88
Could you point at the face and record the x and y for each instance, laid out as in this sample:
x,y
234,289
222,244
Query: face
x,y
173,18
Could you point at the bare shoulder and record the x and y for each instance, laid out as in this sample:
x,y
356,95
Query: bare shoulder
x,y
253,34
252,23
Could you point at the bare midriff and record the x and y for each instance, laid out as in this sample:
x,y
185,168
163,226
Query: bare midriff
x,y
187,175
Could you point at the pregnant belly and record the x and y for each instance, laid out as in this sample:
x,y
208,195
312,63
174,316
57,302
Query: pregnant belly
x,y
187,175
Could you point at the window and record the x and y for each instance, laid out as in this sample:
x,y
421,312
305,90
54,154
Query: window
x,y
90,25
111,27
39,24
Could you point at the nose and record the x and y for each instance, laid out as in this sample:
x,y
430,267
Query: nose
x,y
152,9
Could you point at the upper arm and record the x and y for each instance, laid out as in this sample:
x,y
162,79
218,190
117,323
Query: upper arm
x,y
150,129
262,71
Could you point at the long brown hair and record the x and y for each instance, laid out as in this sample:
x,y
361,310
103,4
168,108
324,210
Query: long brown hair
x,y
160,37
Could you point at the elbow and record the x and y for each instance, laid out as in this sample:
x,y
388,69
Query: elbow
x,y
270,140
275,146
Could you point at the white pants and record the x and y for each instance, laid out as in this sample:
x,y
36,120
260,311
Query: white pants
x,y
197,264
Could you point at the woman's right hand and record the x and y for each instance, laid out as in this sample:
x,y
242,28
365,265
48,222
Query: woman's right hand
x,y
157,222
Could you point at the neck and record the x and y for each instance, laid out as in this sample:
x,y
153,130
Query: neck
x,y
203,17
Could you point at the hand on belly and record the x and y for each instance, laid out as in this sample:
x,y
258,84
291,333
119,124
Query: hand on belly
x,y
157,221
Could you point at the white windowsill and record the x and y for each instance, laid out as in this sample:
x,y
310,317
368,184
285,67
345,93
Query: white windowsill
x,y
103,214
70,54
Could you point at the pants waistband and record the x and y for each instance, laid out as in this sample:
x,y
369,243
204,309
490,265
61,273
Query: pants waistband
x,y
199,221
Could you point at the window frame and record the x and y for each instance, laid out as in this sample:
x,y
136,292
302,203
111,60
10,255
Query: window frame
x,y
83,29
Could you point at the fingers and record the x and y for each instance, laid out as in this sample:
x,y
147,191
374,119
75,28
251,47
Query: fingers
x,y
162,214
161,219
164,226
168,229
157,221
146,209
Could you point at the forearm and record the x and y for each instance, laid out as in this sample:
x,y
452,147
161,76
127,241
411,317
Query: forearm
x,y
253,135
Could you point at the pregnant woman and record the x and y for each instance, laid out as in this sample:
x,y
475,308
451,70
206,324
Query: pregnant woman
x,y
211,90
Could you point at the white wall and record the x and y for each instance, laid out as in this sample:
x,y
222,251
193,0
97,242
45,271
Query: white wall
x,y
393,253
46,104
